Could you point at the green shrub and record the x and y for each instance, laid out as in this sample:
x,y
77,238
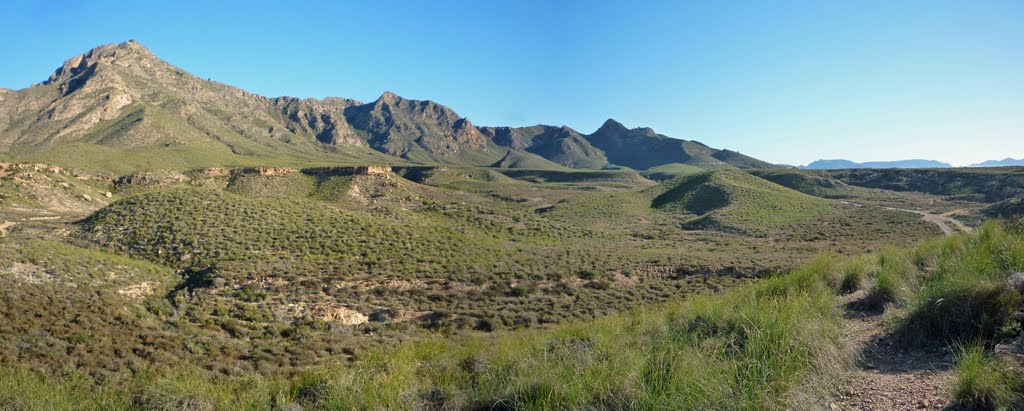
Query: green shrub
x,y
985,382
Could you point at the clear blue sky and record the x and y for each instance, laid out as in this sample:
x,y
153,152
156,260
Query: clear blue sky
x,y
785,81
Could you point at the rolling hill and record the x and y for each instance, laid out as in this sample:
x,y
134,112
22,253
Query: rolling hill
x,y
734,201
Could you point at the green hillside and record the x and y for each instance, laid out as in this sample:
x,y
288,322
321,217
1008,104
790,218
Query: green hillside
x,y
808,182
732,200
669,171
781,343
527,160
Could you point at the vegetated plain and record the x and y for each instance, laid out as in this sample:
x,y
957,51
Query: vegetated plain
x,y
196,246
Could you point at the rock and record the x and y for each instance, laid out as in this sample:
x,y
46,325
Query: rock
x,y
108,194
1016,281
65,185
86,197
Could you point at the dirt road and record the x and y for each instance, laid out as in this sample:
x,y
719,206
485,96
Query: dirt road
x,y
945,222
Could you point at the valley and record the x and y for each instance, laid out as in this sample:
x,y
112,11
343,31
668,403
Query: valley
x,y
275,270
170,242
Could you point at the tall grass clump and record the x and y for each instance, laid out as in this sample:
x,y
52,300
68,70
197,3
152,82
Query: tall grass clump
x,y
856,272
968,296
190,388
897,279
22,389
985,382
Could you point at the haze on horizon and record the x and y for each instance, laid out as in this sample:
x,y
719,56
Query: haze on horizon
x,y
788,82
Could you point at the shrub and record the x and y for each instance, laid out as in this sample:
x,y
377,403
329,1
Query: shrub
x,y
985,382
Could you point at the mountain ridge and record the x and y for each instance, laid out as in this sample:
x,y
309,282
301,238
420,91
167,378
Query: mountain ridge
x,y
835,164
1006,162
120,106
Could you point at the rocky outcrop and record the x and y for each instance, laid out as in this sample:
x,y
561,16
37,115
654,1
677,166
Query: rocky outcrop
x,y
213,172
354,170
323,118
401,127
265,171
8,168
337,314
561,145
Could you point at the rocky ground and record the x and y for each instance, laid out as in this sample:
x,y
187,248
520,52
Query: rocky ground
x,y
889,377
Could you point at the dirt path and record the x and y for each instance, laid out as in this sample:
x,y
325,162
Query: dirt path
x,y
887,377
943,221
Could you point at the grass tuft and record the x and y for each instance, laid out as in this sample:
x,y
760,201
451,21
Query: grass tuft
x,y
985,382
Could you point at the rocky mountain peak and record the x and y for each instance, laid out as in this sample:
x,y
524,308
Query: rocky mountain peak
x,y
126,53
611,125
389,97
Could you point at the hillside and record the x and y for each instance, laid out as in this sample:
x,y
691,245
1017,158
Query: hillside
x,y
119,108
670,171
979,184
793,341
808,182
736,201
523,159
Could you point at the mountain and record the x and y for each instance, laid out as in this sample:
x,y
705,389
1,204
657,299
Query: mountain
x,y
845,164
1006,162
642,148
120,108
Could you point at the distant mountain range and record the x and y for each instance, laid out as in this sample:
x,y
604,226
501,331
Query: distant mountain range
x,y
1000,163
844,164
120,108
847,164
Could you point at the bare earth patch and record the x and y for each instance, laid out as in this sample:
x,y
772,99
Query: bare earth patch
x,y
27,273
138,291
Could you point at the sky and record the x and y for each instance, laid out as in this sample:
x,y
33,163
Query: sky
x,y
784,81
